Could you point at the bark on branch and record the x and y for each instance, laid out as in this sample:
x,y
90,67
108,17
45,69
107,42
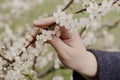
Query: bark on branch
x,y
84,9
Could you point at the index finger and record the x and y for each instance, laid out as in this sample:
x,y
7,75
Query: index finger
x,y
43,23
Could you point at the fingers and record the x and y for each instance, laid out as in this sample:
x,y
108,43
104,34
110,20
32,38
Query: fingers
x,y
59,46
71,38
43,23
56,42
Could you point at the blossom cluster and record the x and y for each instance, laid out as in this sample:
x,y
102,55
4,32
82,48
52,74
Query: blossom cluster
x,y
67,21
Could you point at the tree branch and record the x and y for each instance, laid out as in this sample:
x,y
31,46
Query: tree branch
x,y
68,5
112,25
4,58
35,58
82,31
84,9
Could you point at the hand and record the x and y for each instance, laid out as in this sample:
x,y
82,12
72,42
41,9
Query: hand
x,y
71,50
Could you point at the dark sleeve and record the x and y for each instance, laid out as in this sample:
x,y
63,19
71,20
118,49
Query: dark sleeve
x,y
77,76
108,66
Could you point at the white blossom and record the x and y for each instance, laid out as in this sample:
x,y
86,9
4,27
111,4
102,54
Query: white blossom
x,y
93,10
106,5
66,20
57,63
84,22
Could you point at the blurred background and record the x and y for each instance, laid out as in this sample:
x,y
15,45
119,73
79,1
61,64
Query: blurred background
x,y
19,14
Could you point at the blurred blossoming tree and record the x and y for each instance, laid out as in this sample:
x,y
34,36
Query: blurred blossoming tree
x,y
24,53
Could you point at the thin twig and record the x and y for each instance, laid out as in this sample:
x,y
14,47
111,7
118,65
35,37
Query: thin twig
x,y
35,58
82,31
5,58
112,25
68,5
115,1
109,25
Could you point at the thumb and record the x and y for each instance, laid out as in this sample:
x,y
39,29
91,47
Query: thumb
x,y
59,46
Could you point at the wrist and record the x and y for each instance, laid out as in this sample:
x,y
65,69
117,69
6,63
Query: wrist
x,y
87,66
